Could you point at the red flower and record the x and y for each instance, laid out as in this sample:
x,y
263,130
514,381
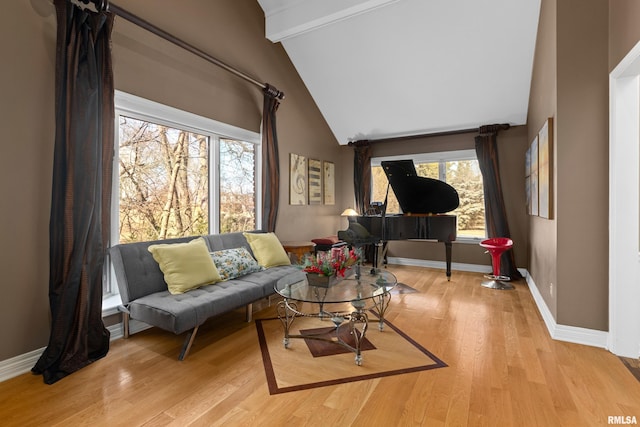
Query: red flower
x,y
331,263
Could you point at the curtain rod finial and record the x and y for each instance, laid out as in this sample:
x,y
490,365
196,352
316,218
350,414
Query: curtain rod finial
x,y
495,128
273,92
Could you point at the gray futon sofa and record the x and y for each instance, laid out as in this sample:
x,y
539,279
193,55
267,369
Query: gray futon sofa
x,y
145,296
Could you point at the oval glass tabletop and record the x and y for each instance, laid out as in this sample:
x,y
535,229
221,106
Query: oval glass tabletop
x,y
368,285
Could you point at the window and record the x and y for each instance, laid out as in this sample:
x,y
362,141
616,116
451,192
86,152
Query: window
x,y
459,169
178,174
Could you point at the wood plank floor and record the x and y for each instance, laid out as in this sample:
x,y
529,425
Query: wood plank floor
x,y
504,370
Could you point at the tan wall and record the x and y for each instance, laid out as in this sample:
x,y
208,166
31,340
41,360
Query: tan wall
x,y
26,158
624,31
512,145
582,164
149,67
570,84
542,105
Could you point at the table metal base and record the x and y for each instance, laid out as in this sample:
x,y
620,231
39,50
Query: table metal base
x,y
358,322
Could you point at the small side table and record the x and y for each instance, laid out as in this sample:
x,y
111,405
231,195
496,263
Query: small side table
x,y
299,249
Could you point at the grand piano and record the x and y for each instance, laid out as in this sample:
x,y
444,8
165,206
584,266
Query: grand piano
x,y
424,203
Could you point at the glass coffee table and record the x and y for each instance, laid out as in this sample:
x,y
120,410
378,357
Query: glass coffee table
x,y
369,290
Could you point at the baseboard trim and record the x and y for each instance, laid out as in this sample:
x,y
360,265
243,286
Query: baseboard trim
x,y
475,268
572,334
135,326
19,365
23,363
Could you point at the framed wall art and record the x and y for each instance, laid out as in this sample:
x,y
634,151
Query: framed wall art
x,y
297,179
315,182
533,177
545,178
527,178
328,171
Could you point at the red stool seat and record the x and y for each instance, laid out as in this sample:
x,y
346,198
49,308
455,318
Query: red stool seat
x,y
496,246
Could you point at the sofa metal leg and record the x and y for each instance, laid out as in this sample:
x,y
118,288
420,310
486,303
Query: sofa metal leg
x,y
249,313
187,343
125,325
125,320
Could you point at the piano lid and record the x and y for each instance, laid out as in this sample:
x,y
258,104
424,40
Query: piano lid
x,y
417,194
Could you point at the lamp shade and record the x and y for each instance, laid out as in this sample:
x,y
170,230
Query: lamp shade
x,y
349,212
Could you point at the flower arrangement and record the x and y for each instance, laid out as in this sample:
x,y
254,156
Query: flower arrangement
x,y
331,263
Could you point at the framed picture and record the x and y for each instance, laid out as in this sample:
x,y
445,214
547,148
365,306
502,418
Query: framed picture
x,y
315,182
533,177
329,169
527,178
545,178
297,179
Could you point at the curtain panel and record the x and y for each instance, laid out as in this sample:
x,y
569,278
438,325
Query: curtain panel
x,y
362,175
486,144
270,159
81,191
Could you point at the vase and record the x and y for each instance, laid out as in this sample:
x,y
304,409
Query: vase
x,y
322,281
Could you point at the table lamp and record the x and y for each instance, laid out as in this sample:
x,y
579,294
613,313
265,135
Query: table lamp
x,y
349,212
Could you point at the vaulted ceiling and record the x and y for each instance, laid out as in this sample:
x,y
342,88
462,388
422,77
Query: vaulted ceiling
x,y
388,68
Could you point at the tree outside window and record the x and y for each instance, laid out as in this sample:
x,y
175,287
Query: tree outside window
x,y
164,185
164,182
237,186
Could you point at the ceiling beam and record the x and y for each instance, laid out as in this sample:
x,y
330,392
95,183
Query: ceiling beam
x,y
294,17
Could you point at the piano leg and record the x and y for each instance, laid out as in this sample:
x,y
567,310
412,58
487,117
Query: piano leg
x,y
447,248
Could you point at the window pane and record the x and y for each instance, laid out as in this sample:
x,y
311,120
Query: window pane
x,y
164,181
466,178
428,170
379,182
237,186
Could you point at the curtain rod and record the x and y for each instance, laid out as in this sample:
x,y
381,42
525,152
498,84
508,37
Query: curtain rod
x,y
481,129
406,137
100,5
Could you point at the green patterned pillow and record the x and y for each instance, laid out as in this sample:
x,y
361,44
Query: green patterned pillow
x,y
232,263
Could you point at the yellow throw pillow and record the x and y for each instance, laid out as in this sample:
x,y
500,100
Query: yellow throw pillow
x,y
267,249
185,265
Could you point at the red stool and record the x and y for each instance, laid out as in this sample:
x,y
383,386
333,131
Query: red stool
x,y
496,246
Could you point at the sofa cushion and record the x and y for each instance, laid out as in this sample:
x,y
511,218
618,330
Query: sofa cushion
x,y
267,249
180,313
185,265
233,263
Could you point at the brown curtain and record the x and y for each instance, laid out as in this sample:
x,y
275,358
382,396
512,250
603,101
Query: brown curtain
x,y
495,212
362,175
270,159
81,192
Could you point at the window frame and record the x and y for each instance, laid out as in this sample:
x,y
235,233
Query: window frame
x,y
143,109
440,157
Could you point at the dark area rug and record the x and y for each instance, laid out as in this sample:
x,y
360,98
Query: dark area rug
x,y
391,352
322,348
